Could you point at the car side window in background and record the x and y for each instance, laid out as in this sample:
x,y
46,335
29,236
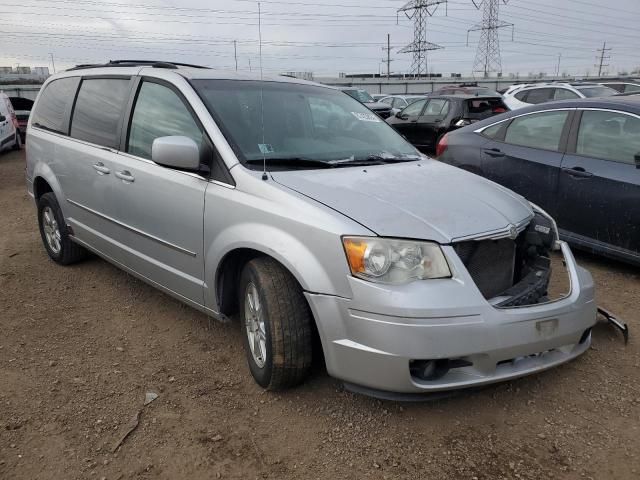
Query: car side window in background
x,y
50,112
539,130
98,110
609,136
565,94
159,112
414,108
540,95
399,103
522,96
387,100
628,88
436,107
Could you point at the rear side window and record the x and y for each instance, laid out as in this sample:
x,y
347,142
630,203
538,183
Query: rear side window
x,y
159,112
539,130
629,87
609,136
565,94
540,95
481,108
54,104
98,111
493,131
522,96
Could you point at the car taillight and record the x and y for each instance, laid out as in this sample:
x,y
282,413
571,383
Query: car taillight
x,y
442,145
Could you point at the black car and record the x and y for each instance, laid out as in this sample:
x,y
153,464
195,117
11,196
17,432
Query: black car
x,y
424,122
577,159
382,109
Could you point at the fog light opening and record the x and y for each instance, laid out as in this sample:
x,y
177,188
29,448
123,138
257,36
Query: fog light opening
x,y
429,370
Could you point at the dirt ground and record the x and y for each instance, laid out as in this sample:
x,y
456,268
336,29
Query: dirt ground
x,y
80,346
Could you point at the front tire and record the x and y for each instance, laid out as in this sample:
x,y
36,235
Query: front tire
x,y
55,234
276,324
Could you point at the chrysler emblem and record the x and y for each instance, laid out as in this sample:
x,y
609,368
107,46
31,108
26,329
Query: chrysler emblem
x,y
513,232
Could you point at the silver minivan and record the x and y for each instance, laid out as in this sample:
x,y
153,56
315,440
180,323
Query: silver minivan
x,y
291,206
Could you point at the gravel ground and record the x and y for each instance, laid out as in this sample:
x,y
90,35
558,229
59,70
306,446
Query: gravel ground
x,y
80,346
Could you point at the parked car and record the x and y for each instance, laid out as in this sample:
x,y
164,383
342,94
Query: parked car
x,y
9,131
416,276
465,90
382,109
622,87
398,102
424,122
22,108
378,96
520,96
579,160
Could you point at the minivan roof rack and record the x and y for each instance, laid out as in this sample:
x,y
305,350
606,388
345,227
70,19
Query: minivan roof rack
x,y
135,63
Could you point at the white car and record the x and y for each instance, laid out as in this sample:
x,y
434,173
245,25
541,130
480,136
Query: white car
x,y
519,96
9,134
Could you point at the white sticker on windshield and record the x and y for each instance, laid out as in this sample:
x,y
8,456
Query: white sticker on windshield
x,y
265,148
366,117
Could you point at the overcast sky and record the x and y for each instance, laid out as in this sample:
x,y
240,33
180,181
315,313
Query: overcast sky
x,y
322,36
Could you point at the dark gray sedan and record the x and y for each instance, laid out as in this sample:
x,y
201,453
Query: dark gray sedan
x,y
579,160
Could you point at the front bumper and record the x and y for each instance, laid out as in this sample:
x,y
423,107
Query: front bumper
x,y
371,339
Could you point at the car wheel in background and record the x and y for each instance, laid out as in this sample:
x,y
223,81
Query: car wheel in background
x,y
276,324
17,145
55,234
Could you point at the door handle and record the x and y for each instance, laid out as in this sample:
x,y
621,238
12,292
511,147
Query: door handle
x,y
125,175
494,152
101,169
577,172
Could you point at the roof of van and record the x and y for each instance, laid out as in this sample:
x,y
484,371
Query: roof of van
x,y
138,67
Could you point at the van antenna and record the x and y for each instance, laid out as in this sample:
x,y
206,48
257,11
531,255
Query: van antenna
x,y
263,147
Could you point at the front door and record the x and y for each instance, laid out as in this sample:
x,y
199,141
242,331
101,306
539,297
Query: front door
x,y
159,210
599,189
528,158
430,121
406,121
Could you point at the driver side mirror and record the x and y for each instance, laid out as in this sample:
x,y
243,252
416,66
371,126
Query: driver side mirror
x,y
401,115
176,151
2,118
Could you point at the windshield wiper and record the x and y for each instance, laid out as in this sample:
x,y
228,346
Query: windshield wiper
x,y
292,162
376,159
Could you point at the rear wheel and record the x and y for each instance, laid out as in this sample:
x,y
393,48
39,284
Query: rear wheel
x,y
55,234
276,324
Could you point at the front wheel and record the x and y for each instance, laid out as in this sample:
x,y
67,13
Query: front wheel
x,y
276,324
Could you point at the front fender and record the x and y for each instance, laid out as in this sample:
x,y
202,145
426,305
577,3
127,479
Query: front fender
x,y
314,275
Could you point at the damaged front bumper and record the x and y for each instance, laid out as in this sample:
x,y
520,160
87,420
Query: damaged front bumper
x,y
384,337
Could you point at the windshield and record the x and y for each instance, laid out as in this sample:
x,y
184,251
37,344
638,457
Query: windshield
x,y
301,122
360,95
591,92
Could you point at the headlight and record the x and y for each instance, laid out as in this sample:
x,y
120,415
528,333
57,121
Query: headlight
x,y
387,260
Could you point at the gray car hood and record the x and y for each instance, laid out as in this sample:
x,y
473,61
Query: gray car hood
x,y
426,199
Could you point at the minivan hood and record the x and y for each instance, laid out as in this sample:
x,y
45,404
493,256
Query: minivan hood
x,y
423,200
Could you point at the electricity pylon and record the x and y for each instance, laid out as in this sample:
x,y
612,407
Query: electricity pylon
x,y
488,58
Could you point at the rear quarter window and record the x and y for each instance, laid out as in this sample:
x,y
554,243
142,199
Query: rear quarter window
x,y
51,111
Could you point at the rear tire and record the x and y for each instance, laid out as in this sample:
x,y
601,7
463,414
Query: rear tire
x,y
55,234
276,323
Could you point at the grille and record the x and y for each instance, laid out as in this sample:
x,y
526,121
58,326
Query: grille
x,y
490,263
